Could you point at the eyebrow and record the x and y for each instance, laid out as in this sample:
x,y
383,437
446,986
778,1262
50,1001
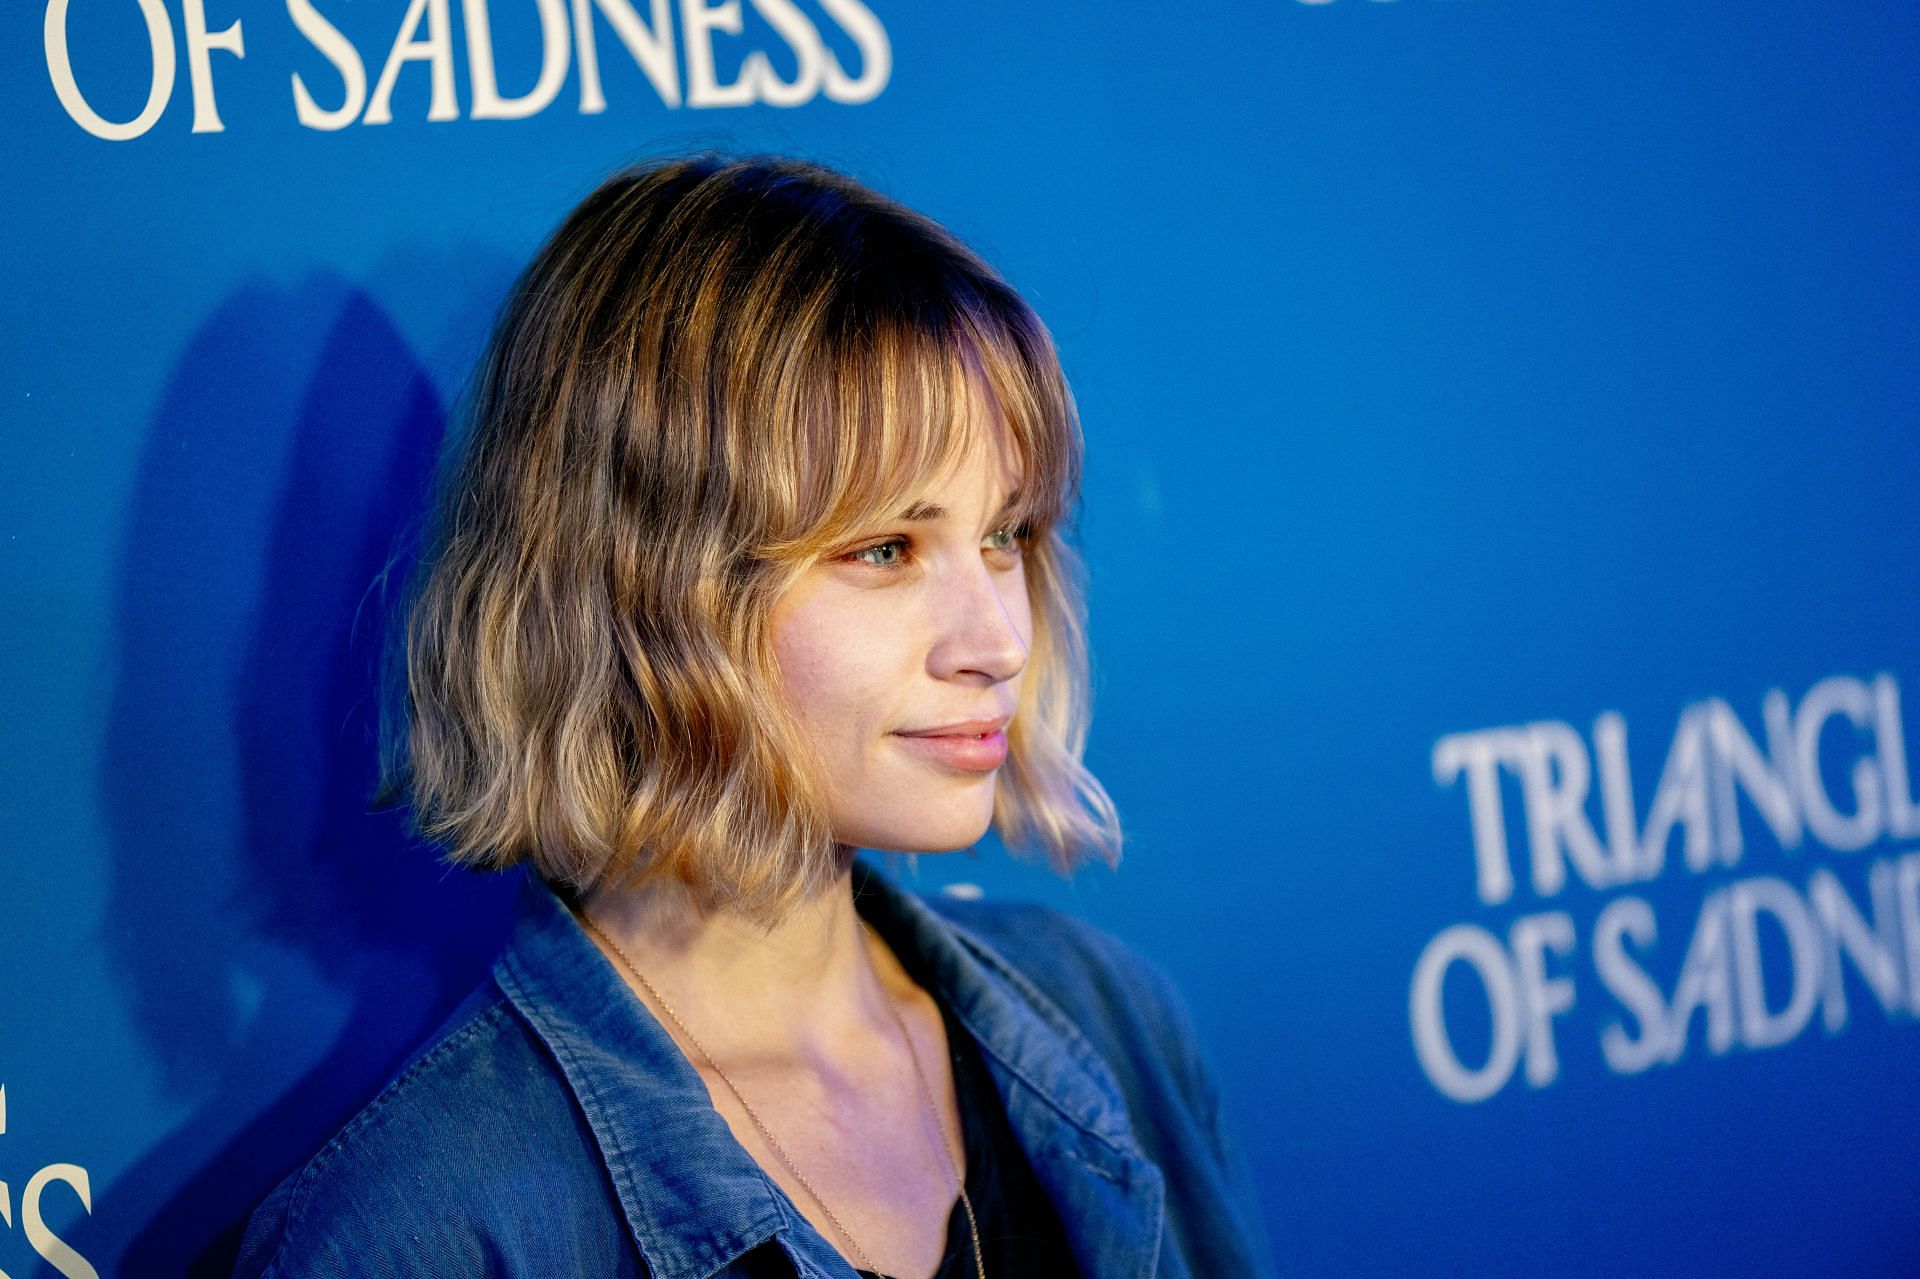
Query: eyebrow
x,y
920,511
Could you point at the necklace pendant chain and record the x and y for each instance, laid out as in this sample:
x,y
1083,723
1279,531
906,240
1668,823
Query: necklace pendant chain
x,y
926,1091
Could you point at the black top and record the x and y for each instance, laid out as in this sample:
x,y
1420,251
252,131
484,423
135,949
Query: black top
x,y
1020,1233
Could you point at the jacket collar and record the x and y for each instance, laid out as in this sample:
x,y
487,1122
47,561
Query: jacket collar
x,y
694,1199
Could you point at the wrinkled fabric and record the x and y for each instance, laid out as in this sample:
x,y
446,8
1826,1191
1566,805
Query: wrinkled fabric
x,y
551,1127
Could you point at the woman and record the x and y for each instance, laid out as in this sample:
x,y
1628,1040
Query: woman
x,y
752,558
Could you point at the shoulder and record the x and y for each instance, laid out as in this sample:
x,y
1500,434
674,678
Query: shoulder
x,y
1082,966
1123,1002
468,1144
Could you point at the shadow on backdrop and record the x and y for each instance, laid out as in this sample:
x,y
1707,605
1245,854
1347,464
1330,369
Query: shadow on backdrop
x,y
280,946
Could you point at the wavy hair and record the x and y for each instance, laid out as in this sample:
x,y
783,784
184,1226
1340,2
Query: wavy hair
x,y
713,372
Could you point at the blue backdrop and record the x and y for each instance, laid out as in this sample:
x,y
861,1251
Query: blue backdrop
x,y
1499,518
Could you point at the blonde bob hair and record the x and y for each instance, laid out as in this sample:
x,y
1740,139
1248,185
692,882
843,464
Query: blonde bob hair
x,y
714,372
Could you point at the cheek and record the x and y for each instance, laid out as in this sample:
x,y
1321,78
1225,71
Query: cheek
x,y
832,676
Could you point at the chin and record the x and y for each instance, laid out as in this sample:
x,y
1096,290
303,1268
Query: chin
x,y
914,814
955,835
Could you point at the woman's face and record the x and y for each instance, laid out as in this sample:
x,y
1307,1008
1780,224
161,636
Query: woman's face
x,y
900,656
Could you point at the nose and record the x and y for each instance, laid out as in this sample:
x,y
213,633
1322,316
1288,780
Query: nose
x,y
985,626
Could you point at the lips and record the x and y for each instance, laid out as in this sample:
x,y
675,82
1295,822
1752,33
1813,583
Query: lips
x,y
985,727
968,746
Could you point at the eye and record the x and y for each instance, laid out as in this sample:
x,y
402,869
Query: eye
x,y
888,554
1007,540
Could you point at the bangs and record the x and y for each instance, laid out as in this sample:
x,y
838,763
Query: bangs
x,y
887,411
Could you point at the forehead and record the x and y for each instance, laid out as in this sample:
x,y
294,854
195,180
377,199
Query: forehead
x,y
957,448
903,415
983,455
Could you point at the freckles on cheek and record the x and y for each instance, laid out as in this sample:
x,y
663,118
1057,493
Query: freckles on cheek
x,y
831,678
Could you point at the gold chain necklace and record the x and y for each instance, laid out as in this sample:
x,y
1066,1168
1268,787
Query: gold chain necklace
x,y
926,1091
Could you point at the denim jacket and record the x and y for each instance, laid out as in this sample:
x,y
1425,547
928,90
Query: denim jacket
x,y
552,1128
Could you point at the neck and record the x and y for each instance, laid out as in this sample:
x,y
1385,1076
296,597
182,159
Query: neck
x,y
810,983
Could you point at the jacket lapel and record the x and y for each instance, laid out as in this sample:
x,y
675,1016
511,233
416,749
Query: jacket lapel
x,y
1061,1099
